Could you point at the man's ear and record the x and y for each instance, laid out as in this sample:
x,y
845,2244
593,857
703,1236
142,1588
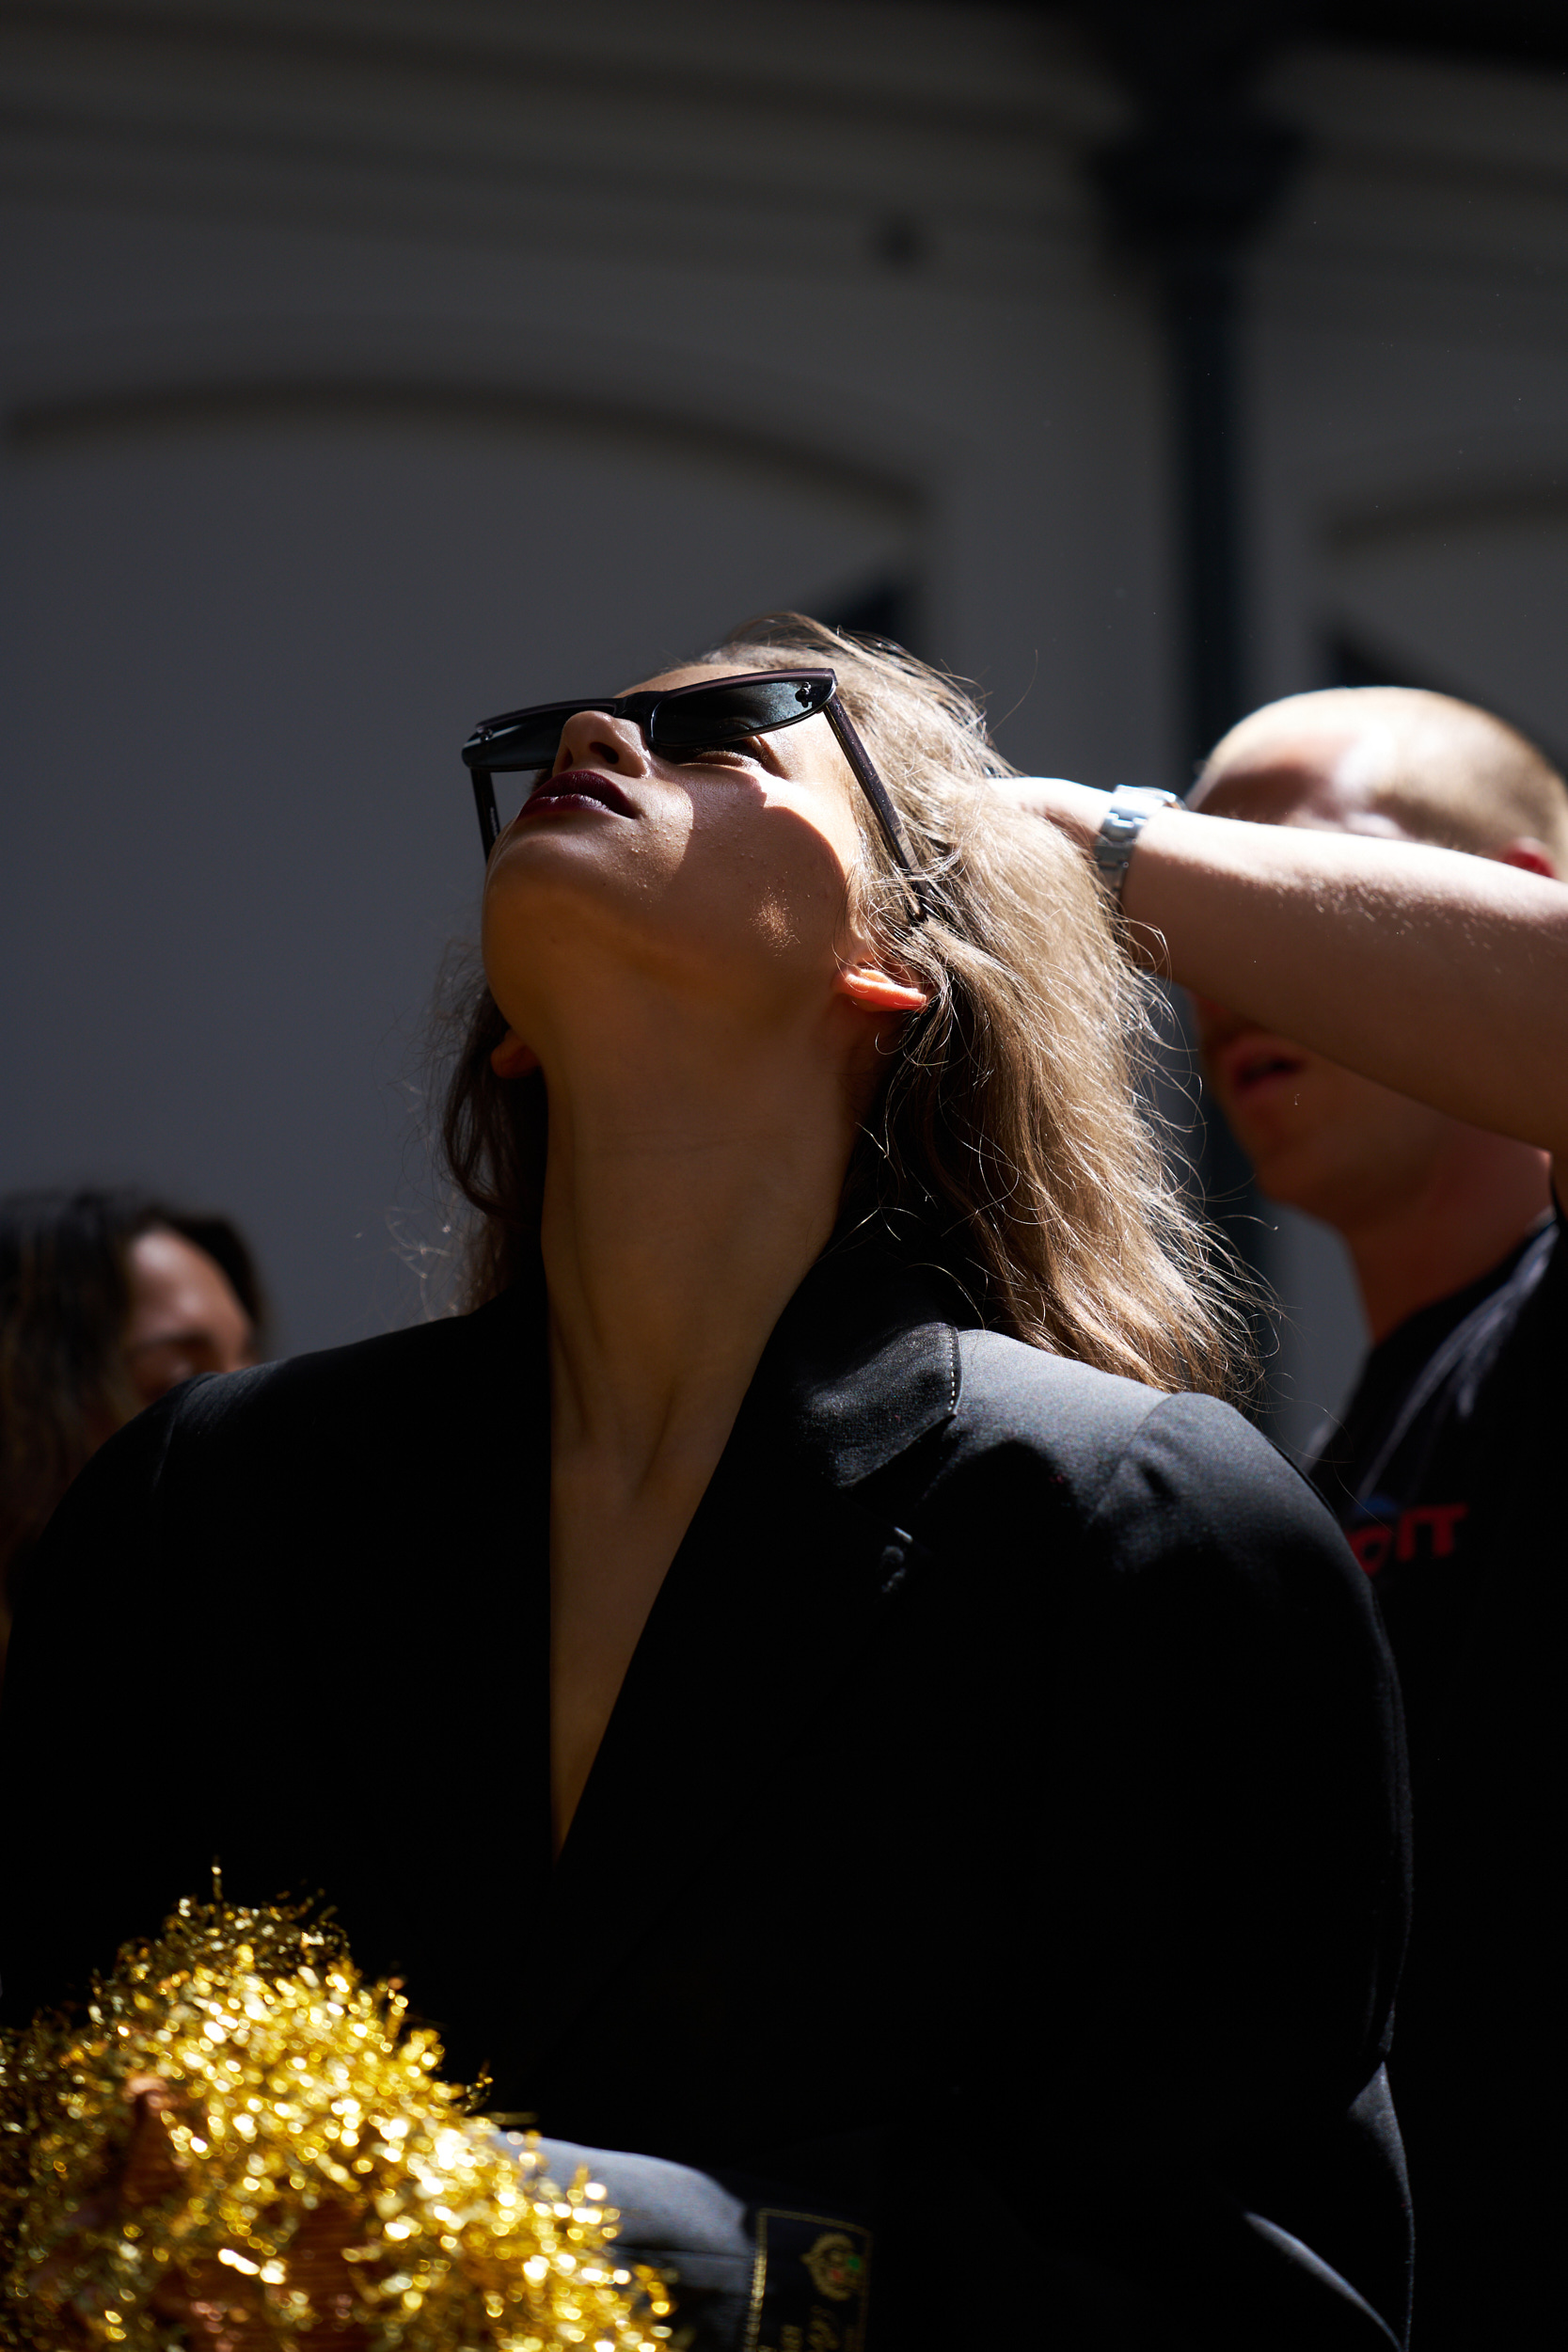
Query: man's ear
x,y
511,1058
1529,855
875,989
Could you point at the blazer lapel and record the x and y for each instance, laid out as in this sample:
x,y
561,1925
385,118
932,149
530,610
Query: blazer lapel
x,y
781,1581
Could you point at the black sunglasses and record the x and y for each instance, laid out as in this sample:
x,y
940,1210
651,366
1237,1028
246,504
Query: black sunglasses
x,y
683,718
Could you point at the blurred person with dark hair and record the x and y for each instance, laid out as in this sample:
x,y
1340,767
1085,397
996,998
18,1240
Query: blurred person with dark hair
x,y
1368,907
107,1300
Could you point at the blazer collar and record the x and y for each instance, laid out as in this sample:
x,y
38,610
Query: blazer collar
x,y
862,1362
781,1581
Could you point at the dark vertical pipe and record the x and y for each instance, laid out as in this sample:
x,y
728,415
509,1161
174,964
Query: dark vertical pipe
x,y
1187,192
1201,295
1200,298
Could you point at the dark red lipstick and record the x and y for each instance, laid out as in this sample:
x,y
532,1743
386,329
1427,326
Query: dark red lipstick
x,y
579,788
1253,1061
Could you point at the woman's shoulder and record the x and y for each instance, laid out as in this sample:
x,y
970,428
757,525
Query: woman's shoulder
x,y
365,1378
1151,1474
1083,1420
282,1434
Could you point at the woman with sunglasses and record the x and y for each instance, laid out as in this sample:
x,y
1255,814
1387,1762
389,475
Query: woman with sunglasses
x,y
804,1680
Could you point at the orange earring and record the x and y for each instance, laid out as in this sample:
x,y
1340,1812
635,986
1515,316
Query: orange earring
x,y
511,1058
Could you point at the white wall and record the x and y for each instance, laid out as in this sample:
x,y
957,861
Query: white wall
x,y
244,832
371,364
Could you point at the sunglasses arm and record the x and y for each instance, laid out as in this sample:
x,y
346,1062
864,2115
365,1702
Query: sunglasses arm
x,y
485,801
877,793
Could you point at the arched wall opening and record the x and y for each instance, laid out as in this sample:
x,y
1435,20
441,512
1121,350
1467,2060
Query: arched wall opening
x,y
247,631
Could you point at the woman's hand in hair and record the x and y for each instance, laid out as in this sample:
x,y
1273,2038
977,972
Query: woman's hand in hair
x,y
1078,809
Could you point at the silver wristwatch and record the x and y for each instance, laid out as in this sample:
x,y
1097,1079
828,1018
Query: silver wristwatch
x,y
1132,806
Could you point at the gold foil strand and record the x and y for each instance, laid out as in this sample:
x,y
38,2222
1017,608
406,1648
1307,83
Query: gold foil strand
x,y
240,2143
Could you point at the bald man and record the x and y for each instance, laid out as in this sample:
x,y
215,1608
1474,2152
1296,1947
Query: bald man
x,y
1363,897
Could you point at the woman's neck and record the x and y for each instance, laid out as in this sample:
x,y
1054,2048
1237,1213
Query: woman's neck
x,y
687,1191
689,1187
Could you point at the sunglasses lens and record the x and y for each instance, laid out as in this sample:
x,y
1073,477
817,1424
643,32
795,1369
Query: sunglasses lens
x,y
530,740
726,713
517,748
521,748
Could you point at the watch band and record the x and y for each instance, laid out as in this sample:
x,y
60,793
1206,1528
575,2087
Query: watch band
x,y
1131,808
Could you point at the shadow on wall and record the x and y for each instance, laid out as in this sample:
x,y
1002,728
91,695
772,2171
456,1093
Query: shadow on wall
x,y
884,607
1353,660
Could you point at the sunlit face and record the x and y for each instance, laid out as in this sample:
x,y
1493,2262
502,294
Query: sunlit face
x,y
185,1317
1319,1137
722,878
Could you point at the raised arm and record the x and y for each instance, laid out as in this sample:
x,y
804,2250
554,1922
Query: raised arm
x,y
1442,975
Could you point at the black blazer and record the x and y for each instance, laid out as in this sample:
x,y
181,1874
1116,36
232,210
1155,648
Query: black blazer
x,y
1000,1831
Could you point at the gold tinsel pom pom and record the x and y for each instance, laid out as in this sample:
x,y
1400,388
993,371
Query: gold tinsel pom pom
x,y
239,2143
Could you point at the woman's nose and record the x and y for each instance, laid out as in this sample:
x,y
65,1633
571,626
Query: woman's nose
x,y
592,739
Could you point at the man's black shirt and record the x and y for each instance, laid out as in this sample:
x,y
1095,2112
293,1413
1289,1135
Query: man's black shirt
x,y
1447,1476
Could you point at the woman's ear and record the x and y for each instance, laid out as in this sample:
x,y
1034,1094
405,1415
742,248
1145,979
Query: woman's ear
x,y
511,1058
875,989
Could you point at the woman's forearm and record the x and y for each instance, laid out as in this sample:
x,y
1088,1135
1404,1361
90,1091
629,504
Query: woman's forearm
x,y
1442,975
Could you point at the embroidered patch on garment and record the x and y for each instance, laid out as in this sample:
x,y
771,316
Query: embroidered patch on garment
x,y
810,2286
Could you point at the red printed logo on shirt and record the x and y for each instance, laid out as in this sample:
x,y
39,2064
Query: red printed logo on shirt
x,y
1424,1532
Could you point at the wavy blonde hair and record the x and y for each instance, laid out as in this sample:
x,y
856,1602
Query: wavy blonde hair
x,y
1009,1134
